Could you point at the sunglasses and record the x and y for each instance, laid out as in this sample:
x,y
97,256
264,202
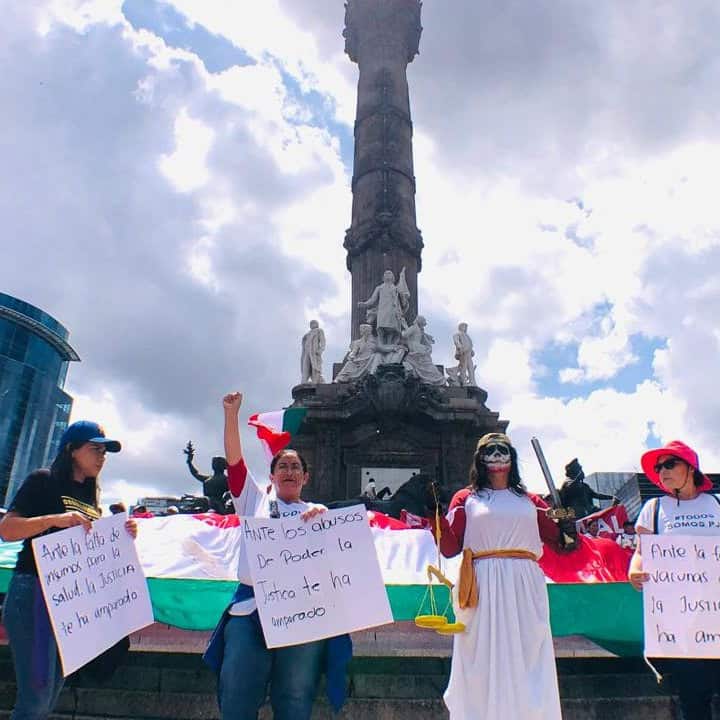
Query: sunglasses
x,y
668,464
495,447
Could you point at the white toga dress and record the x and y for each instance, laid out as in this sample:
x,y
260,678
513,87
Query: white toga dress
x,y
503,665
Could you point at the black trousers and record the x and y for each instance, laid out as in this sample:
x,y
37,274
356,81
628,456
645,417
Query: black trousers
x,y
694,681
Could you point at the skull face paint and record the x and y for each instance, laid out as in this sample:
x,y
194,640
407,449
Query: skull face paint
x,y
496,457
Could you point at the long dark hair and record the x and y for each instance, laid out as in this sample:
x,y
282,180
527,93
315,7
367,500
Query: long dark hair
x,y
480,479
62,470
698,478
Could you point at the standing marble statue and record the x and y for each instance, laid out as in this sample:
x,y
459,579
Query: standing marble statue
x,y
418,360
464,354
386,308
313,345
362,359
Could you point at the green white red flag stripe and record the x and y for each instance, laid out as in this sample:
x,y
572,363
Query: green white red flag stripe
x,y
276,428
190,562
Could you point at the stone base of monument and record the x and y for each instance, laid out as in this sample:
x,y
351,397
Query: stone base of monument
x,y
397,672
388,419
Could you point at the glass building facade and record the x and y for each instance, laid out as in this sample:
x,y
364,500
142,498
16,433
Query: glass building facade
x,y
34,408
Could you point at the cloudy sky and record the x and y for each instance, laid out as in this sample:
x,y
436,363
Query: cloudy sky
x,y
174,188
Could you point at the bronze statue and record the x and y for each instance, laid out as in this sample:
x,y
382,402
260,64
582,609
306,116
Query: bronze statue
x,y
575,493
420,495
215,485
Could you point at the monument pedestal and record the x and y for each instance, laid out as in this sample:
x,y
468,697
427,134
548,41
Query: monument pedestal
x,y
388,420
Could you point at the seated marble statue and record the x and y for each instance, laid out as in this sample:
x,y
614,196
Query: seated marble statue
x,y
362,359
418,360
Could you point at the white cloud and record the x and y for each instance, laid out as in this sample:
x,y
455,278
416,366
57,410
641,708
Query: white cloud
x,y
565,194
77,14
186,168
263,30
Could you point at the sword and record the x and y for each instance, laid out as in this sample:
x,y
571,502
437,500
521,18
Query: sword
x,y
565,516
554,494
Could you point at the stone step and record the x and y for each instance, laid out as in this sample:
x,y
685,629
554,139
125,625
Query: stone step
x,y
393,678
164,686
655,708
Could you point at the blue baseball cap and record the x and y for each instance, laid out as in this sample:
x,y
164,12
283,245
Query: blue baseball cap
x,y
84,431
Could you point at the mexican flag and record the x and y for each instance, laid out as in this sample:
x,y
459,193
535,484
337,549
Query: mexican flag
x,y
276,428
190,562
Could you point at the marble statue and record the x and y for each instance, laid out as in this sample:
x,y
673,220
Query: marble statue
x,y
313,345
418,360
362,359
386,308
389,354
464,373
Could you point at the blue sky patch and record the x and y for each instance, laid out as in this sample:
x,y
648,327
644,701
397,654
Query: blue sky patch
x,y
320,113
216,52
653,440
557,356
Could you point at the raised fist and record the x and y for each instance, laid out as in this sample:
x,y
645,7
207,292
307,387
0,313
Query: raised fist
x,y
232,402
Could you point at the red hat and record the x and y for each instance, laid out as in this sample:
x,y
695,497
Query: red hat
x,y
677,449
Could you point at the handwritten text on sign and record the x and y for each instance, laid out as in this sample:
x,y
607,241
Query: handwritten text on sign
x,y
315,579
94,588
682,598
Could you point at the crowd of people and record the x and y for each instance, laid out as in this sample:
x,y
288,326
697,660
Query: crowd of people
x,y
503,664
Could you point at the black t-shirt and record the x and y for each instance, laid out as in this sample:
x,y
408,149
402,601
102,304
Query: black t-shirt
x,y
44,494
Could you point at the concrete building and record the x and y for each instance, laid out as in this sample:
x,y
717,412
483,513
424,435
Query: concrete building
x,y
34,408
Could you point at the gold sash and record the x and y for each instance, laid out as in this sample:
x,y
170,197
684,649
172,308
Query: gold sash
x,y
468,590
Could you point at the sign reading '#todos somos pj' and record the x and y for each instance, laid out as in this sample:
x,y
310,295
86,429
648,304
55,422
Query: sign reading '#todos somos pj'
x,y
681,599
94,588
315,579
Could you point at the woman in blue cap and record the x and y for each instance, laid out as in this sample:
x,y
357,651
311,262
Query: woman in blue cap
x,y
64,496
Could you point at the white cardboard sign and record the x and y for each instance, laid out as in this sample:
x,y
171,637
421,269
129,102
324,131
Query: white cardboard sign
x,y
94,588
315,579
681,600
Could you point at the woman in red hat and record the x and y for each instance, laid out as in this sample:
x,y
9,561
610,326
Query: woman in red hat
x,y
687,508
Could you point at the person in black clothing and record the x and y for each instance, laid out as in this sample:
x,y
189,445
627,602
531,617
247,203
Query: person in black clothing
x,y
215,485
64,496
575,493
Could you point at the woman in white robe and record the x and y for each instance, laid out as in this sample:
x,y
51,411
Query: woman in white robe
x,y
503,664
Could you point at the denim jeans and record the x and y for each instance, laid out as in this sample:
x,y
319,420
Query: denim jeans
x,y
36,695
248,666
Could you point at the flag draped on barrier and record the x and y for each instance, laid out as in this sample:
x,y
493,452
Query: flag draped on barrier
x,y
191,560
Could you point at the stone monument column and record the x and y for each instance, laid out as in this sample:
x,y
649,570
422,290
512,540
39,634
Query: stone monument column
x,y
397,414
382,37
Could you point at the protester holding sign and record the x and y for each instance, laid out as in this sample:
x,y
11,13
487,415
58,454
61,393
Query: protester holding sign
x,y
237,650
688,508
64,496
503,664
